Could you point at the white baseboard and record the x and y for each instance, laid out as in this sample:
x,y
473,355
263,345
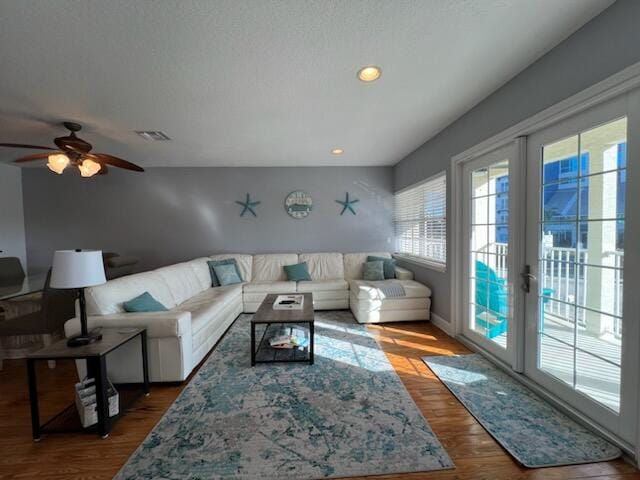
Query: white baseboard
x,y
442,324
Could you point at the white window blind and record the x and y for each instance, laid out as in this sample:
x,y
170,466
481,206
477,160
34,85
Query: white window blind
x,y
420,220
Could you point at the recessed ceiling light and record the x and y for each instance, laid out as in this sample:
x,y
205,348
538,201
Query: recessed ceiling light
x,y
369,73
337,151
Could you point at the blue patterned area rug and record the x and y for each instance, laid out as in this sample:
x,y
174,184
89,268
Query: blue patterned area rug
x,y
530,429
347,415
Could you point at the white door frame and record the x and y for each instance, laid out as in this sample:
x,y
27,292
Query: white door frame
x,y
512,152
617,84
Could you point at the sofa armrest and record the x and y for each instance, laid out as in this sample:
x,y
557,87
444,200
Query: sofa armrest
x,y
403,274
173,323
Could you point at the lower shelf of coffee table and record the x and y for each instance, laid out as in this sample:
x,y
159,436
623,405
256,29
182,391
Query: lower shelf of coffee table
x,y
265,353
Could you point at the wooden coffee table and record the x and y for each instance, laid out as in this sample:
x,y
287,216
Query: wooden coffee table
x,y
274,319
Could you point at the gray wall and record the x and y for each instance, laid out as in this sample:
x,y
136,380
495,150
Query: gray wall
x,y
12,234
166,215
604,46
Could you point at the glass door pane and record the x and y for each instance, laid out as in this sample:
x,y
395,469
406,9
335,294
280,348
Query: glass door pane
x,y
581,261
488,292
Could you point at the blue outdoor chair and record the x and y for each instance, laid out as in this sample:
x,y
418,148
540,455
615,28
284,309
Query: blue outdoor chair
x,y
492,300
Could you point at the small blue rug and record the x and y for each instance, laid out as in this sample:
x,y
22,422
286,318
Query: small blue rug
x,y
347,415
530,429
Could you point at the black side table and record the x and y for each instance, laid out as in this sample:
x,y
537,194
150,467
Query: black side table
x,y
96,356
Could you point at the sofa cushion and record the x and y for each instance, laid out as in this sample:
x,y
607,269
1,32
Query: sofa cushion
x,y
324,266
204,306
366,290
353,263
244,262
108,298
144,303
217,294
182,280
270,287
298,272
323,286
269,267
201,270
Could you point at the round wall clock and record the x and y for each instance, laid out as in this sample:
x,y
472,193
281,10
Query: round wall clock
x,y
298,204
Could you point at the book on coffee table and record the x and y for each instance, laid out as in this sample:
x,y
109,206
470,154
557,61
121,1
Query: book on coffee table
x,y
289,302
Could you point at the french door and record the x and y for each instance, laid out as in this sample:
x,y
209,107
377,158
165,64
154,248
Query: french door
x,y
551,255
489,258
581,333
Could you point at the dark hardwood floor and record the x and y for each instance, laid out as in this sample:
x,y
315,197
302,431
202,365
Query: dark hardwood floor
x,y
84,456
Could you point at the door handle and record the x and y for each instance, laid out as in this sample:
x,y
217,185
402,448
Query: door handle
x,y
527,277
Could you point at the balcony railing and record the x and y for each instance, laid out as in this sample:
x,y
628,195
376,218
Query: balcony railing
x,y
562,273
558,273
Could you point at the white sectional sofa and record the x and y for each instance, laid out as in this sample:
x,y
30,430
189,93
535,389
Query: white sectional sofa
x,y
198,315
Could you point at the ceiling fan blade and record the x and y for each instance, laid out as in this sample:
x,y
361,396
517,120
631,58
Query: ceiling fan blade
x,y
115,161
103,169
20,145
35,156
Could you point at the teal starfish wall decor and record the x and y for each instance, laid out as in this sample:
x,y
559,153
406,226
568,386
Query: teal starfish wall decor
x,y
347,204
248,206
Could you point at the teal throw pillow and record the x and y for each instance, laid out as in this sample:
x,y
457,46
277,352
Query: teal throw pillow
x,y
227,274
144,303
214,263
373,270
298,272
388,265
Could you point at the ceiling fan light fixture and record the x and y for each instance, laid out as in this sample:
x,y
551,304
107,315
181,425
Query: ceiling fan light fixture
x,y
57,162
88,168
72,151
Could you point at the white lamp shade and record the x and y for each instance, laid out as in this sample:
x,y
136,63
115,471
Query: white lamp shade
x,y
77,269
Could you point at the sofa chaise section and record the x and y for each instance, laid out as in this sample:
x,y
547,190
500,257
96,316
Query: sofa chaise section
x,y
371,302
392,300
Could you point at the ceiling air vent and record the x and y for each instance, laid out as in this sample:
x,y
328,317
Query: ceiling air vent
x,y
155,135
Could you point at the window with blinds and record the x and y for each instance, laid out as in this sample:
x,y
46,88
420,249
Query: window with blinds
x,y
420,221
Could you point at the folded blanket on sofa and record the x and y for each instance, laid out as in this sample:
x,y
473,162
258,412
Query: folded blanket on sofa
x,y
391,289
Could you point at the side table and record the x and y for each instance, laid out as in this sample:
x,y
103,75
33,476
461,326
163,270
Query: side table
x,y
96,356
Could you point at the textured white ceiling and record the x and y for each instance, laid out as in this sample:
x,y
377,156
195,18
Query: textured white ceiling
x,y
263,83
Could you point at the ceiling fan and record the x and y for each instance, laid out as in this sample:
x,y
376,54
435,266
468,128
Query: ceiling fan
x,y
72,150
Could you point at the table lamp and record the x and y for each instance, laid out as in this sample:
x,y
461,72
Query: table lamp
x,y
77,269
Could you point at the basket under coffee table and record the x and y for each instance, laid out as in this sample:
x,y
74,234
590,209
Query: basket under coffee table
x,y
273,319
